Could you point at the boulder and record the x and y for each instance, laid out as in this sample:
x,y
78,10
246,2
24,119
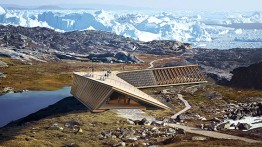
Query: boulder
x,y
210,127
243,126
215,119
213,95
80,131
130,122
107,134
178,119
120,144
3,64
136,122
180,131
223,126
171,130
2,75
154,123
144,121
55,126
133,138
71,124
8,90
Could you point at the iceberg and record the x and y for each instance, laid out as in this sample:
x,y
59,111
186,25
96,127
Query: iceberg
x,y
2,10
210,28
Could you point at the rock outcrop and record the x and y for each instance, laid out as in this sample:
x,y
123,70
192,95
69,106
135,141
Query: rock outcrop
x,y
247,77
218,64
118,57
3,64
45,44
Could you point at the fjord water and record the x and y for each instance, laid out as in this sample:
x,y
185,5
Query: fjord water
x,y
14,106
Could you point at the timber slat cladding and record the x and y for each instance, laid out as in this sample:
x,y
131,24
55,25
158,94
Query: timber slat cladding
x,y
139,78
161,78
176,75
176,79
157,77
90,92
164,76
201,74
194,73
93,89
187,74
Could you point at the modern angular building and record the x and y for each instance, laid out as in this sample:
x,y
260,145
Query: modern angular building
x,y
100,91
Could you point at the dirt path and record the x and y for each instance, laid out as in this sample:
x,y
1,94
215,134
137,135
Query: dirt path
x,y
180,96
151,64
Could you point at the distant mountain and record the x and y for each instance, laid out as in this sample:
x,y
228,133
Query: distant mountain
x,y
44,7
15,7
49,7
72,7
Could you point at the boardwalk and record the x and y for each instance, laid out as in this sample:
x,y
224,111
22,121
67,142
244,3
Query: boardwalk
x,y
187,106
212,133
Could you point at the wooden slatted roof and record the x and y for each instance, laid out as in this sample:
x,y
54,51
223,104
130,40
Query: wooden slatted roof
x,y
93,89
177,75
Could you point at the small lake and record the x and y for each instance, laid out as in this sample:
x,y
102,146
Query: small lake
x,y
14,106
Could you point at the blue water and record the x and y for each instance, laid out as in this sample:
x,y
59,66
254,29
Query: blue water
x,y
14,106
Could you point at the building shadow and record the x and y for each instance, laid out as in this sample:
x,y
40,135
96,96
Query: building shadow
x,y
66,105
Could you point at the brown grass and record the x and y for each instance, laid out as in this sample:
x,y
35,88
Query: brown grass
x,y
91,124
54,75
237,94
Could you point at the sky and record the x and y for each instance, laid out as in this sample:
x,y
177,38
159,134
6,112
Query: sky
x,y
220,5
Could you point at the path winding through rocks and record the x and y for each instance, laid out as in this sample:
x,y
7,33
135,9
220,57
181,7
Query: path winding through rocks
x,y
137,114
211,133
151,64
180,96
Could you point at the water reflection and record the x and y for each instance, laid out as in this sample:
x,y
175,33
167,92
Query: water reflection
x,y
17,105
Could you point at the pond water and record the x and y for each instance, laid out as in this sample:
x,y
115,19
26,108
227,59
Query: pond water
x,y
14,106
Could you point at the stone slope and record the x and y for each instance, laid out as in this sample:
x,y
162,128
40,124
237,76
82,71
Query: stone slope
x,y
247,77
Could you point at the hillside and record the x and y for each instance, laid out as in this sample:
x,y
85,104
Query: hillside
x,y
247,77
47,44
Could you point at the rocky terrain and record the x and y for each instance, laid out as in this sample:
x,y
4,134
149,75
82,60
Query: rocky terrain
x,y
218,64
45,44
247,77
73,125
98,129
217,108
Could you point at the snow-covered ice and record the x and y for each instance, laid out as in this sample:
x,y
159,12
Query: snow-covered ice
x,y
203,29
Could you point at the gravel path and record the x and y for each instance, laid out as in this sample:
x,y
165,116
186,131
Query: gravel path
x,y
180,96
211,133
151,64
